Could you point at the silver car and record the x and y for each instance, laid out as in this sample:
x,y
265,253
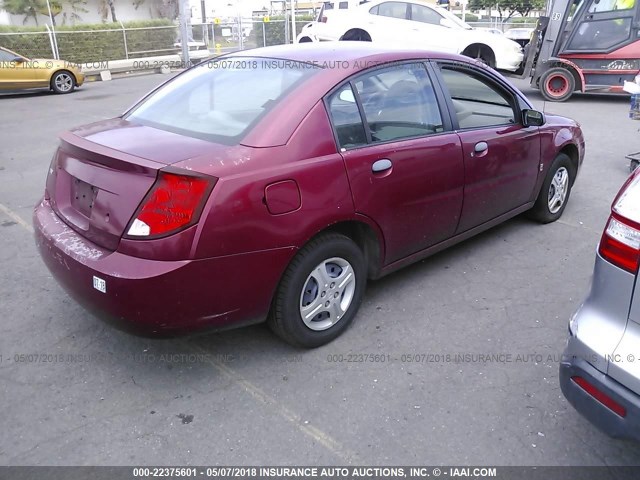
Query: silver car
x,y
600,368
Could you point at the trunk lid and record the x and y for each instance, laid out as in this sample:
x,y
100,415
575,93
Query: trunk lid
x,y
102,172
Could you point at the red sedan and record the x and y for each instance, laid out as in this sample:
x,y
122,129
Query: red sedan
x,y
272,183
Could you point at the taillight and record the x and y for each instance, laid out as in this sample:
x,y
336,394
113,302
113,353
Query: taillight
x,y
323,19
600,396
174,203
620,243
50,183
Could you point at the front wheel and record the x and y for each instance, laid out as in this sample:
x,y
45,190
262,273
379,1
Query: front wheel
x,y
320,292
63,82
555,191
557,84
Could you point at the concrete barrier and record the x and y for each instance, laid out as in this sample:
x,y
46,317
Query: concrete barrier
x,y
93,70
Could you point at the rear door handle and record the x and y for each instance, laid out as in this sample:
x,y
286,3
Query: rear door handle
x,y
381,165
481,147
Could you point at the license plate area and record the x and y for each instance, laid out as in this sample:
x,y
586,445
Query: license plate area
x,y
83,195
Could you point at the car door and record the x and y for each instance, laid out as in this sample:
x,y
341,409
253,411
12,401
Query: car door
x,y
387,21
403,161
15,74
501,156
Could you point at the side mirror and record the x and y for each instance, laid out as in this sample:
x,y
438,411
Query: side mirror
x,y
17,59
532,118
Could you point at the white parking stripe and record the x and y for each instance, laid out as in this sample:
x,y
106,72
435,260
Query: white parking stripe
x,y
295,419
255,392
15,217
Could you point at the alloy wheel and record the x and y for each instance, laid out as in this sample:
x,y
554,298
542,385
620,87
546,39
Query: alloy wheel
x,y
327,293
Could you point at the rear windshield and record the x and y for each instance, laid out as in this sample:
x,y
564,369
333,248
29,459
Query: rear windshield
x,y
220,100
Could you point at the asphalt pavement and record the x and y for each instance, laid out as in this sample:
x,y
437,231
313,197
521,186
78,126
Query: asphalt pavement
x,y
74,391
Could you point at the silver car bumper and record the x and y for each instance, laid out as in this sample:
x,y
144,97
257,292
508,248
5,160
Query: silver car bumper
x,y
614,425
596,332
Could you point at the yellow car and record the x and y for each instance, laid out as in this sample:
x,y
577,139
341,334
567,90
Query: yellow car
x,y
18,72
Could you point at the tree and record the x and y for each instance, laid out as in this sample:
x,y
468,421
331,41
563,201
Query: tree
x,y
106,7
77,7
56,8
508,7
33,8
166,8
28,8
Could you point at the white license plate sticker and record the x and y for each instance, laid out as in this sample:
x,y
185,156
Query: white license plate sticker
x,y
99,284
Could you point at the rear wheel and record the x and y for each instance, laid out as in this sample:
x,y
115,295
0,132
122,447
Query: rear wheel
x,y
356,35
557,84
320,292
555,191
63,82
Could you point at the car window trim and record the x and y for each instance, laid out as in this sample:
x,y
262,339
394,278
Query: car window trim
x,y
334,130
363,118
447,125
514,99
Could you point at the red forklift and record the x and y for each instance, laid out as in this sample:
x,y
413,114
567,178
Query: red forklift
x,y
584,46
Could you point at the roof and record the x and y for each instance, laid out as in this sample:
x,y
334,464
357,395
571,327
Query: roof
x,y
332,53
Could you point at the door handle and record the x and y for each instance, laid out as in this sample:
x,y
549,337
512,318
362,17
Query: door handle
x,y
381,165
481,147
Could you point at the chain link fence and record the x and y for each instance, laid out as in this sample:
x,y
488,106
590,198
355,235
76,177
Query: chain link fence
x,y
93,43
118,41
503,27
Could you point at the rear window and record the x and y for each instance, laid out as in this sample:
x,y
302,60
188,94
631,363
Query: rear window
x,y
221,100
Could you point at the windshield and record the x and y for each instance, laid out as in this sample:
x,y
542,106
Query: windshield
x,y
222,99
447,14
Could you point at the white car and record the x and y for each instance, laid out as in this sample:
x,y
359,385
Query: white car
x,y
413,23
519,35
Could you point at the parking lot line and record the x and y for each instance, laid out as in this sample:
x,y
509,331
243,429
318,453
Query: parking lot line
x,y
324,439
15,217
271,403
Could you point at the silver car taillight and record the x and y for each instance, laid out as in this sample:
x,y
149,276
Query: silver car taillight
x,y
620,243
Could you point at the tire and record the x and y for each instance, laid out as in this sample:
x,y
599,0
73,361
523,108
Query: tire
x,y
63,82
552,199
481,53
355,35
331,267
557,84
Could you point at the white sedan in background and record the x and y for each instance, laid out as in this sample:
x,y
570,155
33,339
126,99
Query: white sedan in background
x,y
414,24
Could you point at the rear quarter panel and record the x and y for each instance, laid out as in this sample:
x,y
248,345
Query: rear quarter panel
x,y
237,219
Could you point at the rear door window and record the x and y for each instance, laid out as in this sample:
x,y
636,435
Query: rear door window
x,y
346,118
399,102
391,9
385,105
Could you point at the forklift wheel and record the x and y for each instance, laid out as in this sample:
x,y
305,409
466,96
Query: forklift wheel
x,y
557,84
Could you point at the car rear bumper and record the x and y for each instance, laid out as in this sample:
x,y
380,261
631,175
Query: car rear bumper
x,y
159,298
627,427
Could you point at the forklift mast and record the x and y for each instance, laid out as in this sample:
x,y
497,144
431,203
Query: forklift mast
x,y
555,24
